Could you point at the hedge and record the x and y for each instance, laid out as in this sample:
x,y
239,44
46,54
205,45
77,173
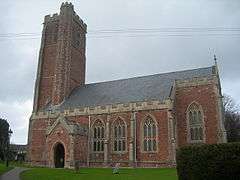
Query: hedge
x,y
209,162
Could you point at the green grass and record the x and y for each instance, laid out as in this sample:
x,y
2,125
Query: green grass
x,y
99,174
4,169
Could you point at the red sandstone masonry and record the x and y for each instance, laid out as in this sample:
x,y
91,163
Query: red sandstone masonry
x,y
63,63
37,143
81,149
47,75
163,151
205,96
59,135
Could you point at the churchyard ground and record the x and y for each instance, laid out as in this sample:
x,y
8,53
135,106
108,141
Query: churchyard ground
x,y
3,168
99,174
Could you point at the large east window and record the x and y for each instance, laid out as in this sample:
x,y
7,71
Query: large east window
x,y
195,123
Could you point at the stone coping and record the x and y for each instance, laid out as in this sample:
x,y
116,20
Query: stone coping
x,y
108,109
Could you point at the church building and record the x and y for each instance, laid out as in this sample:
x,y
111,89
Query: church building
x,y
137,122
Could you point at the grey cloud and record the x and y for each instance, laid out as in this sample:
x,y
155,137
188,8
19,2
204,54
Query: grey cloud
x,y
121,57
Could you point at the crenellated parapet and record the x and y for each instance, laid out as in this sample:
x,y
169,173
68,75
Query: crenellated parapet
x,y
196,81
51,18
68,5
68,8
108,109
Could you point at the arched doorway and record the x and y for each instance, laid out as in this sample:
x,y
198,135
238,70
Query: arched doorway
x,y
59,156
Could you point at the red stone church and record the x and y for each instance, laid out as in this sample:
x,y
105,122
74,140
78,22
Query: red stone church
x,y
138,122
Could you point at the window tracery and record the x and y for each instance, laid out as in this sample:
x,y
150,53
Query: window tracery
x,y
149,135
119,135
195,121
98,136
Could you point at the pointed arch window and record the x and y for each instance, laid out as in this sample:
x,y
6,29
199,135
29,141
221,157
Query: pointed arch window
x,y
149,135
98,136
195,121
119,135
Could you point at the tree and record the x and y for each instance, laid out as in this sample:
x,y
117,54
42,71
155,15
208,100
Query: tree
x,y
4,138
232,119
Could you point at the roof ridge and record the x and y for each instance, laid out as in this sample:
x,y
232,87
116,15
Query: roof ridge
x,y
136,77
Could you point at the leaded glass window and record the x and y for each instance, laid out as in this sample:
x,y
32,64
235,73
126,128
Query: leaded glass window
x,y
98,136
119,135
149,135
195,119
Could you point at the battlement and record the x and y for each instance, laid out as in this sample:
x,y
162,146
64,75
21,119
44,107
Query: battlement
x,y
50,17
67,5
114,108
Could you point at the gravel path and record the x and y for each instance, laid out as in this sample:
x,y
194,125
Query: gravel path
x,y
13,174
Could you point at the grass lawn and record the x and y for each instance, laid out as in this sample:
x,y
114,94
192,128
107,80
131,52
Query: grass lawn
x,y
4,169
99,174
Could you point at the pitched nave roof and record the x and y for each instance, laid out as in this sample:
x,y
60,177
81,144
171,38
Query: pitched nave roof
x,y
152,87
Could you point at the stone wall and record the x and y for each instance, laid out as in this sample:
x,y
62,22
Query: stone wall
x,y
80,147
203,92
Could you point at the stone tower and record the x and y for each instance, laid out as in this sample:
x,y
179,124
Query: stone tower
x,y
62,60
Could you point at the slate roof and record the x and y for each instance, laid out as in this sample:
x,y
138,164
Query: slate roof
x,y
152,87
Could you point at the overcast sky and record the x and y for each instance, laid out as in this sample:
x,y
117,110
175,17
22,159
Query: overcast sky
x,y
118,56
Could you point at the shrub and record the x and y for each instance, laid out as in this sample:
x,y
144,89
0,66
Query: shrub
x,y
209,162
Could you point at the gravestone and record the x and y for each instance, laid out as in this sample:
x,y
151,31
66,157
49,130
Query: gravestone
x,y
116,168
